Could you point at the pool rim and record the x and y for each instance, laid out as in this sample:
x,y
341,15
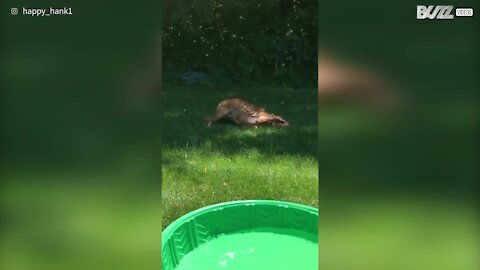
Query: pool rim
x,y
167,232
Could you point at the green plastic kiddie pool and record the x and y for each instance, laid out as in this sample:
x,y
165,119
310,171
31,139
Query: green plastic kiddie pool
x,y
243,235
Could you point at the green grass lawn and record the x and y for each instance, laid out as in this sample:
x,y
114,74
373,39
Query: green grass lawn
x,y
226,162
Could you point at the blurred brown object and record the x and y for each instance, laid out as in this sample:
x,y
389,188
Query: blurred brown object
x,y
341,82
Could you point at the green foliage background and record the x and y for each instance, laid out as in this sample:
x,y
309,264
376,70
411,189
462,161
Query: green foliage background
x,y
242,42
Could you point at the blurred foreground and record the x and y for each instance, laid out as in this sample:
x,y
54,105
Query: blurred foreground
x,y
80,149
398,181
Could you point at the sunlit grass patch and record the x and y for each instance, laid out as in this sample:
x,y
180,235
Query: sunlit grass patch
x,y
226,162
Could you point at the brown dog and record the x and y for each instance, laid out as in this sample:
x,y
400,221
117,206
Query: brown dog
x,y
244,113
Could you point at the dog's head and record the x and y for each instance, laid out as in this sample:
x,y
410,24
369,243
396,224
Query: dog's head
x,y
280,121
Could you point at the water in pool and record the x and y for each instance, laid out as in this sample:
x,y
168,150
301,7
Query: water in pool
x,y
258,250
